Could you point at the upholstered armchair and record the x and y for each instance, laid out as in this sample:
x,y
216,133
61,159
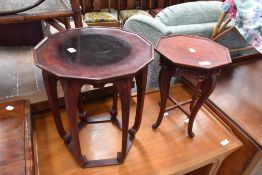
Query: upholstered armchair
x,y
194,18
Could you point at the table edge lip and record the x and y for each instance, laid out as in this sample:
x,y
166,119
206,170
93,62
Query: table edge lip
x,y
139,68
195,67
229,59
94,79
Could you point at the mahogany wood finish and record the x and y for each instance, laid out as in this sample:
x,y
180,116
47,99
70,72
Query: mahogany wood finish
x,y
155,6
96,5
161,4
185,56
87,5
16,144
29,34
169,152
127,4
102,56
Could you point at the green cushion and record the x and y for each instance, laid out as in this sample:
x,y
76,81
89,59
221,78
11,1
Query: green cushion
x,y
99,17
125,14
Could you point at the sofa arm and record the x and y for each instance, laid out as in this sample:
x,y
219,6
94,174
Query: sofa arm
x,y
147,27
191,13
151,30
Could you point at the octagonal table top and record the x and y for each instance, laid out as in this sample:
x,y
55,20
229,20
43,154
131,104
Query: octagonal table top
x,y
193,51
93,53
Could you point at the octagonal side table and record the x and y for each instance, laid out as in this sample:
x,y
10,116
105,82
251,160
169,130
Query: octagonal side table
x,y
194,57
94,56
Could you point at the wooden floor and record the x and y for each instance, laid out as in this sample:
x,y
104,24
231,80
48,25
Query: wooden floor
x,y
168,150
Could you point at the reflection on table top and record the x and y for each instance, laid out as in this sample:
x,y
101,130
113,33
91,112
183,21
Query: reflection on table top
x,y
93,53
193,51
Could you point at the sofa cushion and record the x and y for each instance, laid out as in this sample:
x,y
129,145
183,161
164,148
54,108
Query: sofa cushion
x,y
191,13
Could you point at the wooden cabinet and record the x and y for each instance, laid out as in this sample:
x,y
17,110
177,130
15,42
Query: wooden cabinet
x,y
239,96
16,145
29,34
237,101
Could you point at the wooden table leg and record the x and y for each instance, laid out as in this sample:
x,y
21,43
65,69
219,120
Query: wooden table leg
x,y
71,90
206,88
195,95
67,23
114,110
164,79
124,89
50,82
80,106
141,78
77,13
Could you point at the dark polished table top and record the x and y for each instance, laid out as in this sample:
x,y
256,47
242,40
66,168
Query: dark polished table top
x,y
93,53
47,9
193,51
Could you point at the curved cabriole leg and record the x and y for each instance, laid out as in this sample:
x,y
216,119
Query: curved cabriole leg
x,y
50,82
164,85
71,90
124,89
141,78
195,95
206,88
